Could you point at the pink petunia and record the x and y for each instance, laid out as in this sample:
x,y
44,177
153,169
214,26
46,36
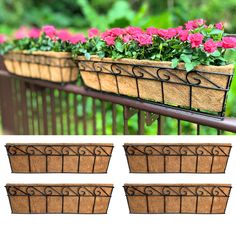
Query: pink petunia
x,y
3,38
109,40
219,25
126,38
93,32
77,38
152,31
34,33
193,24
49,30
210,46
64,35
195,40
133,30
228,42
21,33
183,35
143,39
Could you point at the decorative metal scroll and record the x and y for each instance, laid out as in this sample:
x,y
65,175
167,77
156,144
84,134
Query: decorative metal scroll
x,y
176,150
165,190
80,190
59,150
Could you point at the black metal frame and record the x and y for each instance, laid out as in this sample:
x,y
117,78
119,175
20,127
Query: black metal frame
x,y
43,60
182,191
59,191
163,75
65,150
184,150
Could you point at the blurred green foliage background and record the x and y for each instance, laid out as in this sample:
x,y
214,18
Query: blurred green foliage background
x,y
79,15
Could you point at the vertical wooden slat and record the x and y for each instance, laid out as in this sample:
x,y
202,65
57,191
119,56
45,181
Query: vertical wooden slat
x,y
44,109
6,99
126,127
198,129
38,111
179,127
160,125
103,117
61,111
68,113
76,120
114,119
84,103
141,122
94,117
31,89
53,113
24,108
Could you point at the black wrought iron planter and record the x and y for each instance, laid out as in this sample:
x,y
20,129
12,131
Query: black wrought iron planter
x,y
59,158
59,199
177,198
52,66
177,158
203,90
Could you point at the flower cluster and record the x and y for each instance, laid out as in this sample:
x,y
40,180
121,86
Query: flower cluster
x,y
48,38
193,43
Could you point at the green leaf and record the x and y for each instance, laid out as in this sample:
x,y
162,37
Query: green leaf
x,y
87,56
175,62
119,46
185,58
216,54
216,31
189,66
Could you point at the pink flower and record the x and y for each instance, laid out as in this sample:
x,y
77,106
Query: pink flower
x,y
152,31
229,42
195,39
115,32
34,33
21,33
49,30
210,46
64,35
126,38
167,34
93,32
143,39
183,35
193,24
219,25
77,38
3,38
109,40
133,30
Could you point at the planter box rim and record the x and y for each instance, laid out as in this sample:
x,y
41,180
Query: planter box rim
x,y
61,144
59,185
178,144
178,185
228,69
43,53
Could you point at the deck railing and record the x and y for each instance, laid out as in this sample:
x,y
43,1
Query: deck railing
x,y
30,106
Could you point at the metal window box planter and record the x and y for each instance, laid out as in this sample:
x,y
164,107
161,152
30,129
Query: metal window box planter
x,y
59,158
203,90
51,66
177,158
59,199
177,198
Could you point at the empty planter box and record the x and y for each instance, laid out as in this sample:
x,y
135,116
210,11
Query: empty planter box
x,y
177,198
55,199
177,158
59,158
